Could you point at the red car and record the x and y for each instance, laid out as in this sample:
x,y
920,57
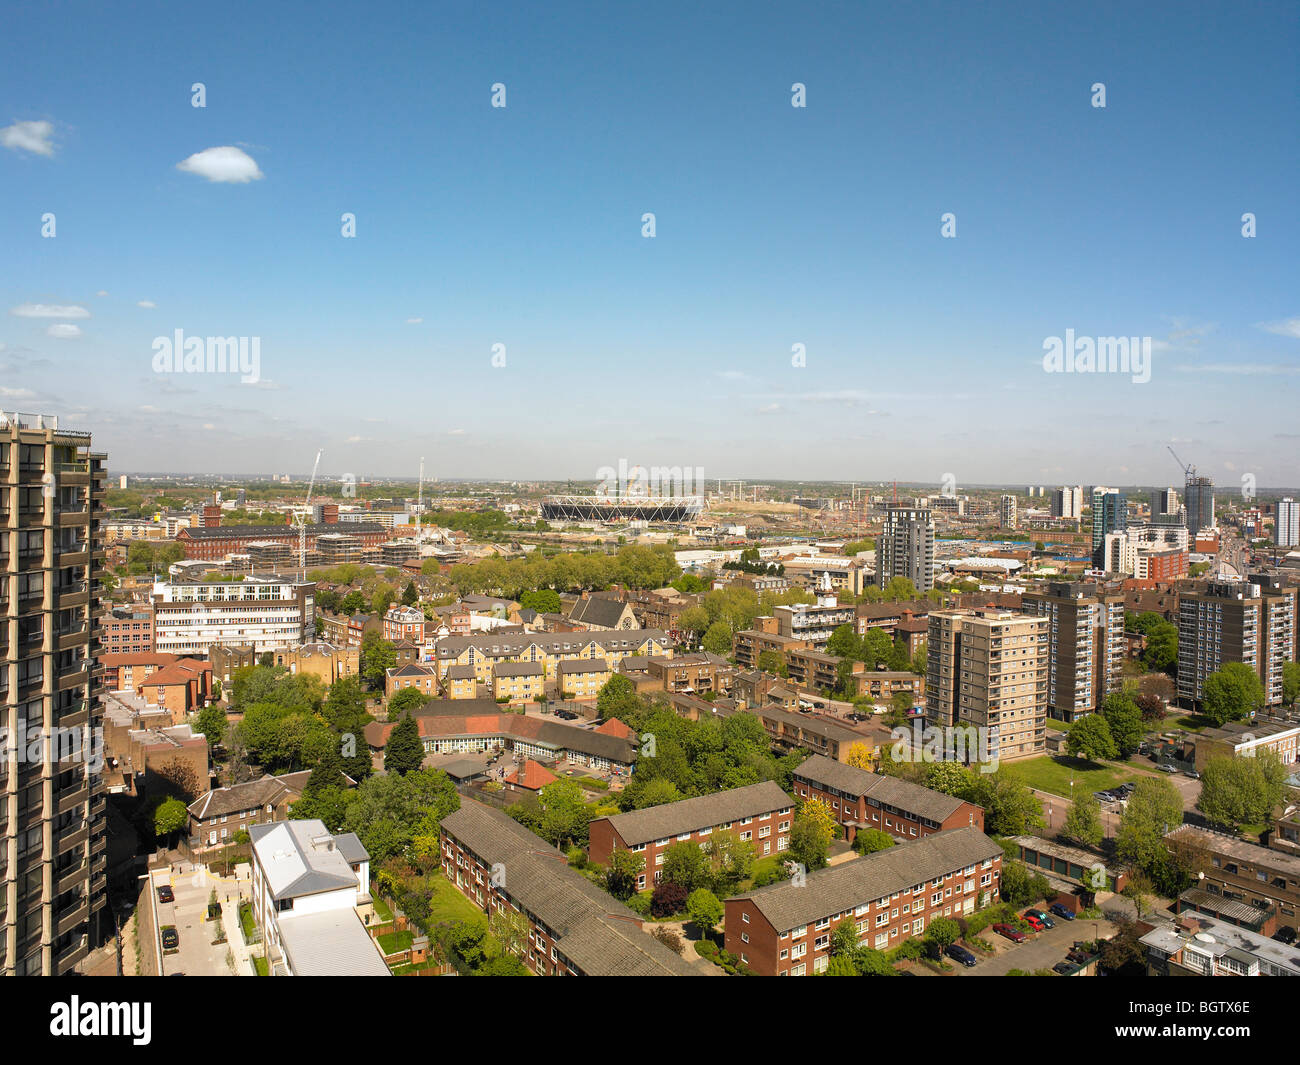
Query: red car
x,y
1013,934
1032,921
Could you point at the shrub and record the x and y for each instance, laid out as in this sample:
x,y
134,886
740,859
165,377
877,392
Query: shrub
x,y
668,899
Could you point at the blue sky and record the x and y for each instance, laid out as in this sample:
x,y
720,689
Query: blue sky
x,y
775,226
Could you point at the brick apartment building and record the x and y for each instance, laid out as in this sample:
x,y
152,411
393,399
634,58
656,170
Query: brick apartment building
x,y
891,896
215,543
574,928
860,800
1262,877
129,629
760,814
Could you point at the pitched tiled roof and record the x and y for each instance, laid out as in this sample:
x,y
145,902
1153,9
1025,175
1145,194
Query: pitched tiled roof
x,y
595,931
238,798
452,718
535,776
615,727
598,611
518,669
704,811
841,888
900,794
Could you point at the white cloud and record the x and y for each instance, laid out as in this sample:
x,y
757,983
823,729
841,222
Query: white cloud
x,y
101,292
771,408
1287,327
414,321
34,137
148,305
16,393
1244,369
49,310
226,164
64,331
455,432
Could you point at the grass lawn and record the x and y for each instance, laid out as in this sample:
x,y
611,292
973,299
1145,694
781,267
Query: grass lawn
x,y
259,963
1052,773
392,942
448,904
382,910
1193,722
246,920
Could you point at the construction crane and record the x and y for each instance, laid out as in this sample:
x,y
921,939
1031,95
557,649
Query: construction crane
x,y
1188,471
301,520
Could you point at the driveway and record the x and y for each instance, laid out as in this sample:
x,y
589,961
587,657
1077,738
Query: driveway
x,y
1041,950
197,956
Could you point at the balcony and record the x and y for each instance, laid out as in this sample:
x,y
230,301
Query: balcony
x,y
73,953
72,917
70,877
75,835
69,800
71,517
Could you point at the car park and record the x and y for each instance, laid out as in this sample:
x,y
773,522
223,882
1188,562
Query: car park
x,y
165,893
1032,921
1167,768
960,954
1076,956
1040,915
171,939
1013,934
1062,911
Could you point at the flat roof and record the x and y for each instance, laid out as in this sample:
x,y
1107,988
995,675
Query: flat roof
x,y
330,943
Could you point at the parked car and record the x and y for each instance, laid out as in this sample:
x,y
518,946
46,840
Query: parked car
x,y
1032,921
1285,935
1167,768
170,938
1127,788
819,706
1013,934
1062,968
1192,773
165,893
1042,917
959,953
1076,956
1062,911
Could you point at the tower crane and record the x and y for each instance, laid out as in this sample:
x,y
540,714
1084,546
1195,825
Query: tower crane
x,y
301,521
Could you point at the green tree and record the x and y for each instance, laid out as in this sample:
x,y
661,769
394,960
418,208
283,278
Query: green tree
x,y
704,909
1083,821
410,596
1154,808
943,932
622,872
377,657
1290,682
870,840
686,864
213,724
169,817
405,700
717,640
1241,791
1232,693
405,750
1125,721
1091,740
